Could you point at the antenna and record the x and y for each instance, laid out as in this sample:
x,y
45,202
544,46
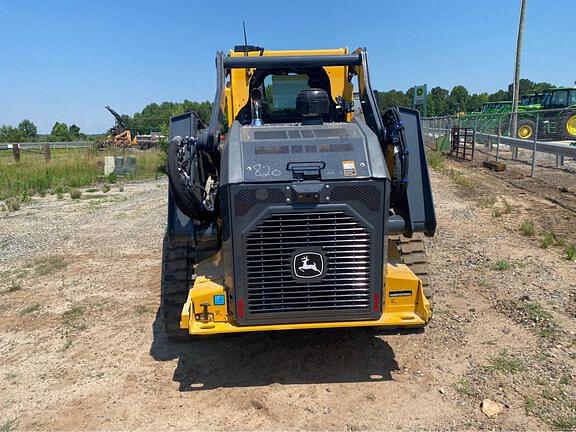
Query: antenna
x,y
245,39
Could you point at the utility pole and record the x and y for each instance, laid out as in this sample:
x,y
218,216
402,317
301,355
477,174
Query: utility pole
x,y
516,85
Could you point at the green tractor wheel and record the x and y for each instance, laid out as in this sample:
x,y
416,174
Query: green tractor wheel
x,y
525,129
567,125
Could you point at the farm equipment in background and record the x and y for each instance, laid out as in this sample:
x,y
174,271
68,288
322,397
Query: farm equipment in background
x,y
533,100
293,208
120,136
560,124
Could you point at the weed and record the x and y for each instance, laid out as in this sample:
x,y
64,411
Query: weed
x,y
8,426
24,196
75,193
49,264
71,316
540,319
465,387
505,363
106,188
548,239
436,160
501,265
13,204
59,193
565,423
506,209
487,201
30,309
529,405
14,286
527,228
112,177
565,380
570,251
459,178
120,188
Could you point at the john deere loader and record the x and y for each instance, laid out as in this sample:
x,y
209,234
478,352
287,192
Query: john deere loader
x,y
299,206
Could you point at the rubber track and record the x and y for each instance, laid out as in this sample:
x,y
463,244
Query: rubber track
x,y
177,277
413,254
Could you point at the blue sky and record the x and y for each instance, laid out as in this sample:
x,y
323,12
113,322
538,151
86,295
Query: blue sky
x,y
63,60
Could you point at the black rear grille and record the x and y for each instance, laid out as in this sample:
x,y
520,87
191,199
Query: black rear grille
x,y
367,194
269,249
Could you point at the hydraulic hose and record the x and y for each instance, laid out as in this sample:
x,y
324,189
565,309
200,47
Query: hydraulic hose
x,y
396,136
182,170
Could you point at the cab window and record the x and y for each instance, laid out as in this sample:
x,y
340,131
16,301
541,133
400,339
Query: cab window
x,y
559,99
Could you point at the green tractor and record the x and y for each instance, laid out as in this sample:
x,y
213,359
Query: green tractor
x,y
533,100
559,124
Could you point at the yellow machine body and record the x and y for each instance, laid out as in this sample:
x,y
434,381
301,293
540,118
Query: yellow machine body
x,y
237,93
404,306
206,311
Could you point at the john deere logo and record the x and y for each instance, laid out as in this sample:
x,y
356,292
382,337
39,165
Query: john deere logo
x,y
308,265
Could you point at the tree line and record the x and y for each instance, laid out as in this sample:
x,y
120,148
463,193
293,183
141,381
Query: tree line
x,y
156,117
26,131
442,101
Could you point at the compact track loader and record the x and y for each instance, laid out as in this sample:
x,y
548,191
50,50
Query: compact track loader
x,y
299,206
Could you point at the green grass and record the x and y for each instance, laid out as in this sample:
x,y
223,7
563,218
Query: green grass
x,y
14,286
506,209
49,264
548,239
548,327
8,426
565,423
71,317
527,228
501,265
436,160
30,309
68,169
465,387
505,363
570,251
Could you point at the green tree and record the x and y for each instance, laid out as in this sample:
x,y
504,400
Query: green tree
x,y
392,98
458,99
10,134
59,132
74,131
438,102
28,130
500,95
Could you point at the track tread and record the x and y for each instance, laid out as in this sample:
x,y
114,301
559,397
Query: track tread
x,y
413,254
177,277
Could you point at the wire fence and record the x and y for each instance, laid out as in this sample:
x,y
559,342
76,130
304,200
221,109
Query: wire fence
x,y
53,145
544,138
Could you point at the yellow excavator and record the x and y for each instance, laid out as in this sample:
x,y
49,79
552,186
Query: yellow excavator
x,y
120,135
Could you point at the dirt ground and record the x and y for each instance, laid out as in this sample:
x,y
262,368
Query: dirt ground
x,y
82,348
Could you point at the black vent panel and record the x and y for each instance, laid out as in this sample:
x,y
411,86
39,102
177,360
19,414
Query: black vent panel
x,y
269,250
368,195
245,199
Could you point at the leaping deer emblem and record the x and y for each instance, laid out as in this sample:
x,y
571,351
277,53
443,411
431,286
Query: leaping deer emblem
x,y
306,265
